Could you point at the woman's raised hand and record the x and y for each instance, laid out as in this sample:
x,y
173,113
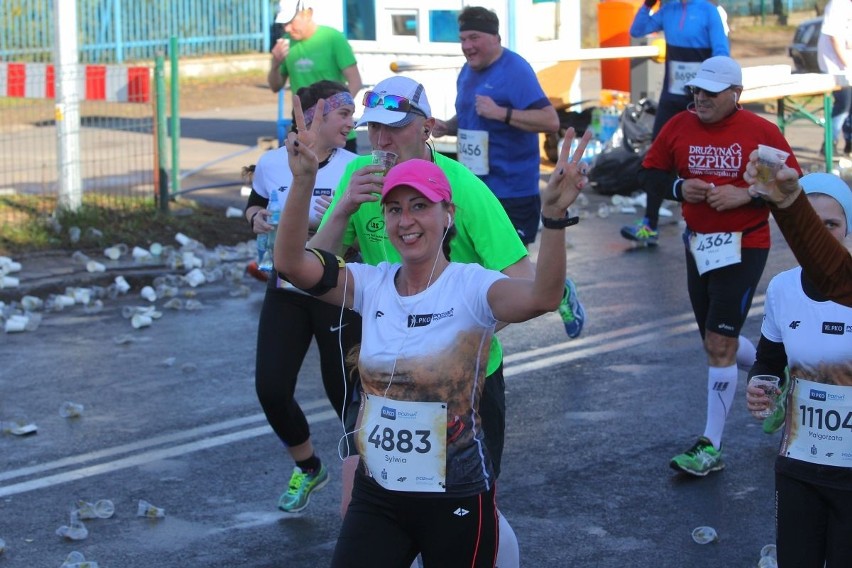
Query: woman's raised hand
x,y
569,177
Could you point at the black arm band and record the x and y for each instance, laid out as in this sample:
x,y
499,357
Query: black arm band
x,y
331,267
508,115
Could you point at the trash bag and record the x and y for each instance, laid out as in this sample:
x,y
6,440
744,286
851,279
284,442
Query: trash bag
x,y
616,169
567,119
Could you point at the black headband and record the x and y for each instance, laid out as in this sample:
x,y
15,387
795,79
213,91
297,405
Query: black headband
x,y
479,25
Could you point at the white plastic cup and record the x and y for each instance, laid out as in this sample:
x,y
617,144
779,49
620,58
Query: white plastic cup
x,y
149,294
112,253
139,321
195,277
156,249
146,509
182,239
9,282
385,159
16,324
770,385
769,161
121,285
233,213
704,535
95,266
141,254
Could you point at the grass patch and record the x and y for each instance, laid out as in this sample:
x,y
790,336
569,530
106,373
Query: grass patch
x,y
33,224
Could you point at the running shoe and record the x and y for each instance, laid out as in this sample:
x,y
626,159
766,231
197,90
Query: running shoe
x,y
572,311
255,272
641,232
302,484
700,459
775,421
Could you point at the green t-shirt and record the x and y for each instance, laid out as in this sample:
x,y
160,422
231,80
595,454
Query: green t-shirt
x,y
323,56
485,234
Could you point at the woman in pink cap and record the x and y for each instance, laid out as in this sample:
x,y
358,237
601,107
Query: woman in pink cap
x,y
425,484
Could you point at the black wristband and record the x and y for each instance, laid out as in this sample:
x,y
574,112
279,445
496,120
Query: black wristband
x,y
677,189
566,221
508,118
251,222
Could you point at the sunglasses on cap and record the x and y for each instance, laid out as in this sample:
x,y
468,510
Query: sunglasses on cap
x,y
390,102
695,91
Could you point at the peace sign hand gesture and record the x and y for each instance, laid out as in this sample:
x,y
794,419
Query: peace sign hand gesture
x,y
569,178
300,144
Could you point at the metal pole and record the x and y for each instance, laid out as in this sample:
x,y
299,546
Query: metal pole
x,y
161,176
67,110
175,122
119,35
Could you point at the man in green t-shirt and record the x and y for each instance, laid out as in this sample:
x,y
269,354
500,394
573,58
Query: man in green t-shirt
x,y
311,53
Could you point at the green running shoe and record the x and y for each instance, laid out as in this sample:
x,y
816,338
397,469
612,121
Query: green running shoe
x,y
699,460
775,421
641,232
298,493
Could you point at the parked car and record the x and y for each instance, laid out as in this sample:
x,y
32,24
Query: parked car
x,y
803,50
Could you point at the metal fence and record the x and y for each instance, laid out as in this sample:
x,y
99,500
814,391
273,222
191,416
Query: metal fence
x,y
117,158
115,31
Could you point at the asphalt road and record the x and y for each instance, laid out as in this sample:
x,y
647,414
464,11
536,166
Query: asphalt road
x,y
172,418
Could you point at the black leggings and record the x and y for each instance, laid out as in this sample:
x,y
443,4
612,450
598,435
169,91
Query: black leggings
x,y
288,322
388,529
813,524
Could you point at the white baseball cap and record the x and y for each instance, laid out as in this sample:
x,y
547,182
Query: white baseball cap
x,y
287,9
717,74
381,109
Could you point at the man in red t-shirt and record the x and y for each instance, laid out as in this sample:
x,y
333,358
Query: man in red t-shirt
x,y
706,148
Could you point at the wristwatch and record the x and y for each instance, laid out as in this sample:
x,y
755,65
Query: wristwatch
x,y
559,223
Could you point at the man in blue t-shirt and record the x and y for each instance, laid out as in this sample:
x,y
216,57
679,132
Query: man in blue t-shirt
x,y
500,111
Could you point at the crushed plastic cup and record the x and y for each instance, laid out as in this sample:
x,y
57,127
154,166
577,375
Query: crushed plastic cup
x,y
191,261
112,253
31,303
149,294
704,535
18,428
769,162
70,409
195,277
767,562
16,324
9,282
79,256
138,321
100,509
121,284
74,557
9,266
93,307
385,159
95,266
193,305
769,550
74,530
174,304
150,511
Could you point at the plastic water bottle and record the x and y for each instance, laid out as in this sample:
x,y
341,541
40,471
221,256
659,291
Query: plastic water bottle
x,y
266,241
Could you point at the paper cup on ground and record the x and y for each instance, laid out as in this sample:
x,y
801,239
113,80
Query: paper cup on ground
x,y
385,159
769,161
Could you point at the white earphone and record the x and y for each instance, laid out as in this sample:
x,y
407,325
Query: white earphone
x,y
449,220
736,98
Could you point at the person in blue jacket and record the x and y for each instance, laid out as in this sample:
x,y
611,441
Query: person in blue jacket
x,y
694,31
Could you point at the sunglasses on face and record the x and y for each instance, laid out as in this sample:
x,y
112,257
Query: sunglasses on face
x,y
390,102
695,91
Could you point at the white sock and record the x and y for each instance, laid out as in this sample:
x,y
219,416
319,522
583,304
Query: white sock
x,y
746,353
508,554
721,390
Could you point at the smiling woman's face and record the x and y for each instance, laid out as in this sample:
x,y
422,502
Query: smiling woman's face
x,y
831,214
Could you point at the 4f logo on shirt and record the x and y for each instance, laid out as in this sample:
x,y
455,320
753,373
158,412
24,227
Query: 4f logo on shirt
x,y
833,327
795,324
460,512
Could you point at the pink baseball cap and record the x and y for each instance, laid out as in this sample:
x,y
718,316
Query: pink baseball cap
x,y
422,175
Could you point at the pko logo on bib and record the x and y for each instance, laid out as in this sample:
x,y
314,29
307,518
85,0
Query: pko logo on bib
x,y
389,413
817,395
